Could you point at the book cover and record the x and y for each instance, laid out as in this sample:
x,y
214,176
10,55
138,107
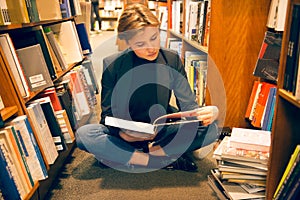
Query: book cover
x,y
84,39
261,103
292,48
23,151
294,159
250,139
65,9
234,190
54,127
31,37
48,14
18,11
268,114
32,153
78,93
202,21
88,64
8,183
4,13
225,152
32,11
65,125
51,92
67,38
251,99
66,99
14,64
7,137
56,48
42,133
268,59
35,68
296,74
217,188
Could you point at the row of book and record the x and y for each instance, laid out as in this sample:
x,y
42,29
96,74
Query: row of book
x,y
292,66
289,185
197,20
39,55
242,165
195,64
261,104
31,11
30,144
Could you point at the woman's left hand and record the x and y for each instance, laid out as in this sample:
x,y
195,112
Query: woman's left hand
x,y
207,114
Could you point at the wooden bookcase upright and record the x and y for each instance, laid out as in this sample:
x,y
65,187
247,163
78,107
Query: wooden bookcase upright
x,y
236,32
285,129
14,101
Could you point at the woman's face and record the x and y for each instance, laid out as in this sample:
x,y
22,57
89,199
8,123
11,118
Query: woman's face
x,y
146,43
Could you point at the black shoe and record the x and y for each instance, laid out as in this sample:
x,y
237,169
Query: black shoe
x,y
183,163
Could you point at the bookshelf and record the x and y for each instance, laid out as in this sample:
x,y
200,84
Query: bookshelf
x,y
233,47
110,11
14,100
285,129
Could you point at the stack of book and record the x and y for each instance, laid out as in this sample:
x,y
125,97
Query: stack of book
x,y
242,165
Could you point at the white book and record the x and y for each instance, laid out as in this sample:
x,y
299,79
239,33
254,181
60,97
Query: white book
x,y
33,155
148,128
250,139
67,39
14,64
43,133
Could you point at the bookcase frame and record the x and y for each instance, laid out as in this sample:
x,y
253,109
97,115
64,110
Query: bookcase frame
x,y
285,128
15,105
237,30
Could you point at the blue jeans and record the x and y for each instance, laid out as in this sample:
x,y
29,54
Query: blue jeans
x,y
174,139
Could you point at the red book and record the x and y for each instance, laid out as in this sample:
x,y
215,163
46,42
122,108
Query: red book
x,y
261,103
251,99
51,92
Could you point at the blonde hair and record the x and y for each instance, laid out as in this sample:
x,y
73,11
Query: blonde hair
x,y
133,19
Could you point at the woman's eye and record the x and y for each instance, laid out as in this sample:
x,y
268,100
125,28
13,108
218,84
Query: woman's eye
x,y
140,44
154,37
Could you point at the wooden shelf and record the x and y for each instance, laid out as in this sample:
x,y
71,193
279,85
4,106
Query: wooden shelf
x,y
28,25
289,97
8,112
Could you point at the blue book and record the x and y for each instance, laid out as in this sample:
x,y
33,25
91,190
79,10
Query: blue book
x,y
272,92
7,184
84,39
65,9
269,125
36,148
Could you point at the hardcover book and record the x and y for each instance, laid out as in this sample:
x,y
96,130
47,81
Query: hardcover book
x,y
35,67
43,133
54,127
268,60
8,185
33,155
250,139
14,64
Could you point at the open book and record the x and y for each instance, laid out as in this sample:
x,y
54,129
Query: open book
x,y
148,128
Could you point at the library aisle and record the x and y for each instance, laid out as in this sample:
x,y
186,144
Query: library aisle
x,y
82,178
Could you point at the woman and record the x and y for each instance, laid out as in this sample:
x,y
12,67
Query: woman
x,y
137,85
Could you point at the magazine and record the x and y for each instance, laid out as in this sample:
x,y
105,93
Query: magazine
x,y
148,128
